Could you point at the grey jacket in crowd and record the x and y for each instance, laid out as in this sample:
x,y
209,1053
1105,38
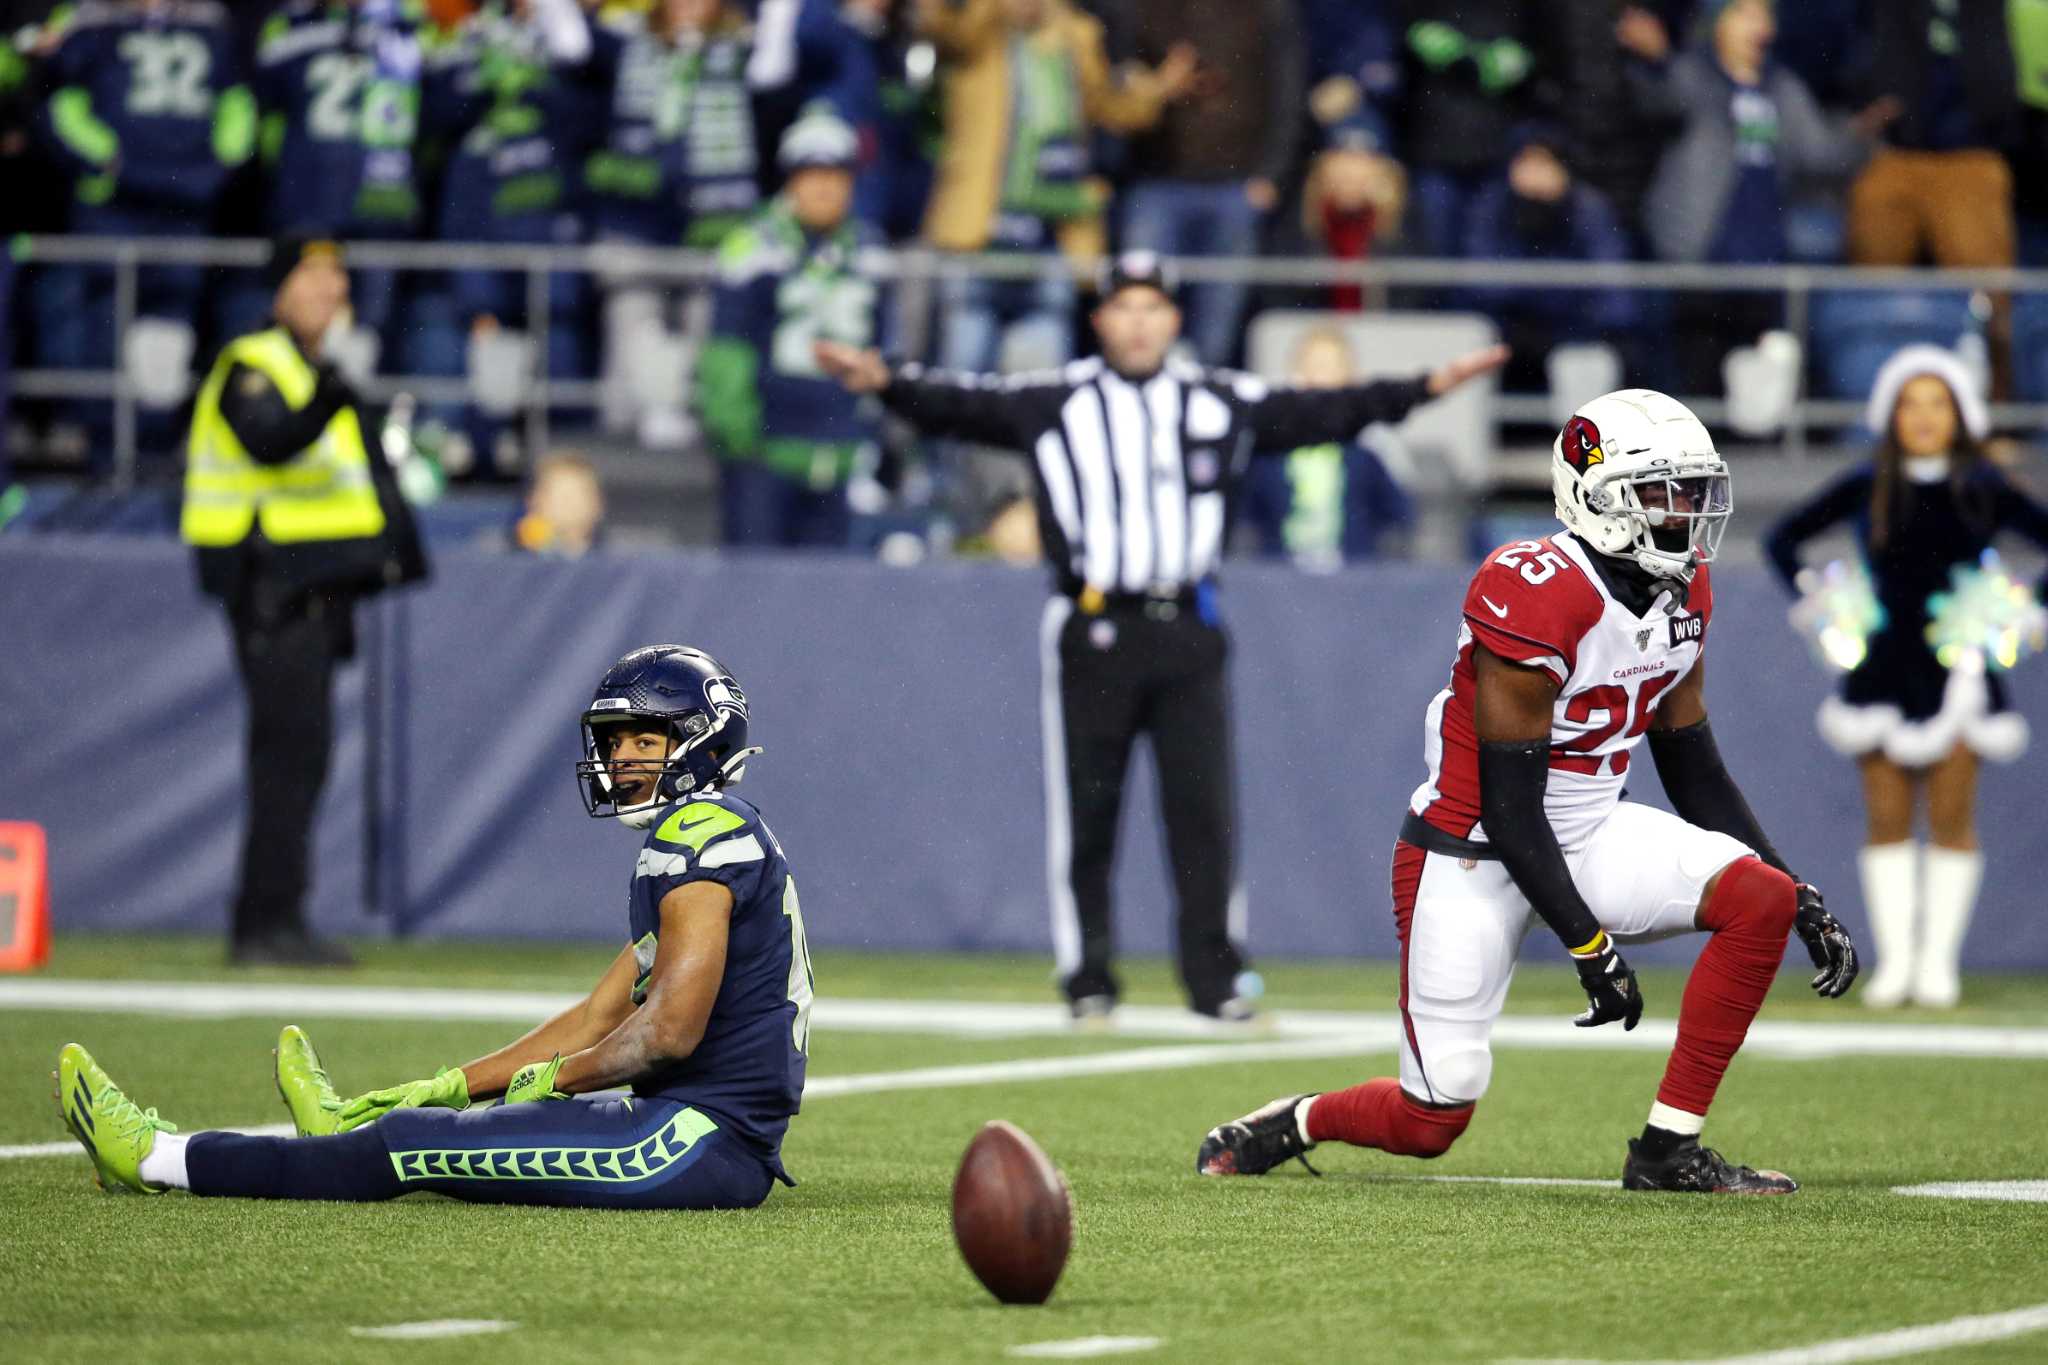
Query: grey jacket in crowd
x,y
1696,176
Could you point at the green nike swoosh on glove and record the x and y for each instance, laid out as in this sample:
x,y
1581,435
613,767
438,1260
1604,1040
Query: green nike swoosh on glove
x,y
447,1089
535,1081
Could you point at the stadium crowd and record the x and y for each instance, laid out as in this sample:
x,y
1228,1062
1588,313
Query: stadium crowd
x,y
1734,132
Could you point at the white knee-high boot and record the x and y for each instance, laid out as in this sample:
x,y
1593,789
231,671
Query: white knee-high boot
x,y
1891,892
1953,875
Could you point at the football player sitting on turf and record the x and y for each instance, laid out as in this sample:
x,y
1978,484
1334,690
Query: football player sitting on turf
x,y
1571,648
704,1016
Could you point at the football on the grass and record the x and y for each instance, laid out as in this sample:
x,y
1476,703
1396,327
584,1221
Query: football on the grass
x,y
1012,1214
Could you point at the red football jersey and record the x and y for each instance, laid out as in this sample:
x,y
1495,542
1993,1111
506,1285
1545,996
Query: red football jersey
x,y
1541,603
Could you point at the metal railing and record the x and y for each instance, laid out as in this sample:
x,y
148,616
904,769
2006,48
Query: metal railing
x,y
1796,283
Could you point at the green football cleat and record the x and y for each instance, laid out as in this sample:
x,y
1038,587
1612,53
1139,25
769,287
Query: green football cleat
x,y
303,1085
114,1133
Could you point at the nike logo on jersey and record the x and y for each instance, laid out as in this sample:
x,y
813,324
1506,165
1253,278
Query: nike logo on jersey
x,y
1492,607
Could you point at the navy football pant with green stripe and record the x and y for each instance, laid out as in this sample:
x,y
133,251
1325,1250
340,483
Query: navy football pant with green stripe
x,y
600,1153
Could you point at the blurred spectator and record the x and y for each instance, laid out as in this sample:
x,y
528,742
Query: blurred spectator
x,y
834,51
1212,169
564,508
717,167
1025,80
507,88
788,438
1538,211
1351,204
1941,187
1468,86
678,135
1610,141
147,115
1354,58
1747,129
340,92
1323,505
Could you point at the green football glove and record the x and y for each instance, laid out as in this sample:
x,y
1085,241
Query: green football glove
x,y
535,1081
449,1089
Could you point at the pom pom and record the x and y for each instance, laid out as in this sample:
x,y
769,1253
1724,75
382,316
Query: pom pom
x,y
1838,613
1988,612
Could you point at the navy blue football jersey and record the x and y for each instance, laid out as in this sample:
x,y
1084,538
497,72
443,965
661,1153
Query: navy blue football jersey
x,y
748,1073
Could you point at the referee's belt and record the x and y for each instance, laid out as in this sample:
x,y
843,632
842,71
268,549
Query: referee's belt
x,y
1419,832
1164,605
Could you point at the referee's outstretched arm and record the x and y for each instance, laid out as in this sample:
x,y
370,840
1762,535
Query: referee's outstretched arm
x,y
1286,418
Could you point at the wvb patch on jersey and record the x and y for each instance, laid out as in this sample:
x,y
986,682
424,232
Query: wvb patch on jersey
x,y
1686,628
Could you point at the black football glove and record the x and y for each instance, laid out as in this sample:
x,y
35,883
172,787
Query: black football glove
x,y
1827,943
1611,989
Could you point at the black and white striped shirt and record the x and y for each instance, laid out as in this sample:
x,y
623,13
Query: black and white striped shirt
x,y
1135,477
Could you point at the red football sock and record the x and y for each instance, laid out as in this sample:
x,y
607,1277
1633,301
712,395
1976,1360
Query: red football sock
x,y
1380,1114
1750,915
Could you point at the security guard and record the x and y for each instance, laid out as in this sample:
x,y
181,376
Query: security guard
x,y
1137,457
292,517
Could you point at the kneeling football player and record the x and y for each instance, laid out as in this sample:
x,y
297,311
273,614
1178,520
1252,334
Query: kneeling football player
x,y
1572,648
703,1016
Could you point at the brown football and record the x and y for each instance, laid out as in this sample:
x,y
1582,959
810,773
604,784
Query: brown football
x,y
1013,1215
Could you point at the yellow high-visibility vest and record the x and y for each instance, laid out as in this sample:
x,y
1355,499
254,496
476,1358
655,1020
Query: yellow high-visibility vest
x,y
323,493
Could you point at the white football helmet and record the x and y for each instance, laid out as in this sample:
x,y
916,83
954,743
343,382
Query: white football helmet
x,y
1636,476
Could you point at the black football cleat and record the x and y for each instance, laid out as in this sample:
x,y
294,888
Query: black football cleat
x,y
1693,1169
1265,1138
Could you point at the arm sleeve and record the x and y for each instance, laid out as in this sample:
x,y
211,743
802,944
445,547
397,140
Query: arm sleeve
x,y
1283,419
728,399
1512,776
983,408
1836,502
1818,143
1701,791
269,428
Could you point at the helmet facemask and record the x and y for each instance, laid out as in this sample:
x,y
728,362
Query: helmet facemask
x,y
675,776
1673,513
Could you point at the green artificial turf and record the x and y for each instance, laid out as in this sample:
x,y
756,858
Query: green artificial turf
x,y
856,1264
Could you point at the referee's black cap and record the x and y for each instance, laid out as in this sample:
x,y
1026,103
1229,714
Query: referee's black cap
x,y
1137,270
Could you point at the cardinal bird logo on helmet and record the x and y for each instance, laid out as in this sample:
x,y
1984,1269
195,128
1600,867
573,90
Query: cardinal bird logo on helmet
x,y
1582,444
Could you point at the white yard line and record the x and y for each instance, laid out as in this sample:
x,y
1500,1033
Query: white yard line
x,y
1767,1037
440,1327
1084,1348
2015,1191
1903,1341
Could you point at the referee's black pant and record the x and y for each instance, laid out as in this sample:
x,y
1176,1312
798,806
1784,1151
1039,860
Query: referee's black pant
x,y
1152,668
287,657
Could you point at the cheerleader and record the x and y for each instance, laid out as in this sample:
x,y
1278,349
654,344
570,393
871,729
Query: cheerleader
x,y
1927,502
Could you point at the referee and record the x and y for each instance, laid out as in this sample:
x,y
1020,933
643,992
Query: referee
x,y
1137,457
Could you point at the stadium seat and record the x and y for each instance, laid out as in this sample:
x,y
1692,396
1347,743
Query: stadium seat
x,y
1855,332
500,370
2030,347
157,355
1458,430
1579,372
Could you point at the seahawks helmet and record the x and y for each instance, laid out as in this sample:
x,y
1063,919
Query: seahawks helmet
x,y
672,687
1636,476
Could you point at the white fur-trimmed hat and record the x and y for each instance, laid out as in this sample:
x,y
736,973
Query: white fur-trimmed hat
x,y
1943,364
